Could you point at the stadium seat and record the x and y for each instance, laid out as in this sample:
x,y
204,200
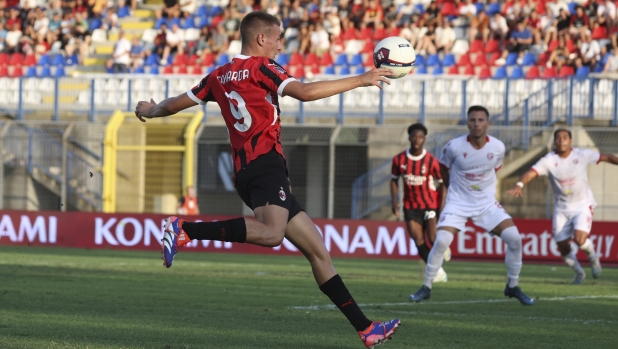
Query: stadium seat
x,y
582,72
31,72
566,71
283,59
299,73
342,59
421,70
454,70
182,70
58,60
420,61
437,71
493,8
189,23
223,59
95,23
549,73
326,60
139,70
17,72
168,70
433,60
202,11
59,72
72,60
160,22
195,70
369,61
553,45
296,59
100,35
511,59
528,60
45,72
469,70
379,34
180,60
394,31
533,73
154,70
311,59
29,60
171,22
500,73
124,11
419,8
449,60
214,10
492,46
203,22
209,60
367,47
479,7
543,58
493,58
4,58
192,60
315,69
485,73
329,70
357,59
572,7
476,46
152,59
365,34
359,70
480,60
16,59
598,68
517,73
345,70
4,71
464,60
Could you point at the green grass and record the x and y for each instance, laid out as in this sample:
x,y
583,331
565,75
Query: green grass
x,y
69,298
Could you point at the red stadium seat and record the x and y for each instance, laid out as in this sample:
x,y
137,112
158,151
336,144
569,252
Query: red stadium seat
x,y
368,47
533,73
180,60
464,60
492,46
192,60
168,70
208,60
454,70
29,61
553,45
326,60
16,59
311,59
476,46
469,70
365,34
543,58
369,61
481,59
394,31
566,71
349,34
196,70
570,45
448,9
380,34
17,72
485,73
299,73
549,73
4,71
4,59
315,69
296,59
494,57
182,70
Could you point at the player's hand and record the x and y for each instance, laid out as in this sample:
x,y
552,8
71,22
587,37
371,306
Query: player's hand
x,y
516,192
396,209
375,76
143,109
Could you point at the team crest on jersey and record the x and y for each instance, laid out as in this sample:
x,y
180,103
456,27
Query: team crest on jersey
x,y
465,155
490,156
575,161
404,166
423,169
282,195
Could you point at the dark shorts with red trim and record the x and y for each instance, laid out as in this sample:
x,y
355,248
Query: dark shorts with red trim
x,y
419,215
265,181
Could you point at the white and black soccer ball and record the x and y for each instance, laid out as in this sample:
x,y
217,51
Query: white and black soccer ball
x,y
395,53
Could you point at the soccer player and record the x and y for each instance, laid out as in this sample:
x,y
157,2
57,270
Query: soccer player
x,y
419,169
468,165
567,169
247,89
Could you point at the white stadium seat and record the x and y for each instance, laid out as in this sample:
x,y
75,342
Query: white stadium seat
x,y
149,35
99,35
191,34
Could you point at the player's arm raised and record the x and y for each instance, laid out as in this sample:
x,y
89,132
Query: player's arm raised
x,y
167,107
611,158
312,91
525,179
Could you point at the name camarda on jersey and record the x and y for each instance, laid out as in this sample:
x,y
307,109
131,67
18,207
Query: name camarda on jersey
x,y
234,76
418,173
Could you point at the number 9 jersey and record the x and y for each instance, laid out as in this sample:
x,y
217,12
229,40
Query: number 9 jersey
x,y
247,91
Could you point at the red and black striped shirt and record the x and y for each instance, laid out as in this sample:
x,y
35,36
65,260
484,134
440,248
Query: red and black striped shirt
x,y
247,91
418,175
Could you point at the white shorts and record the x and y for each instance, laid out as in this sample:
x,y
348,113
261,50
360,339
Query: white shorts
x,y
487,217
566,223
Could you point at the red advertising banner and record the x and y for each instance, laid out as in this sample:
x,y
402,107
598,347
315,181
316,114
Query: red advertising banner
x,y
343,238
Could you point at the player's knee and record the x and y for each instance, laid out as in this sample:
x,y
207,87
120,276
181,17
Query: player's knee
x,y
512,238
443,241
580,239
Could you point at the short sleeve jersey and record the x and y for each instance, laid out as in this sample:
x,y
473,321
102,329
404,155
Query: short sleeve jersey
x,y
472,171
247,90
419,173
569,178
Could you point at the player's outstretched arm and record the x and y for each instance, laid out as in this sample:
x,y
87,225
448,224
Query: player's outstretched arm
x,y
312,91
395,195
167,107
611,158
517,191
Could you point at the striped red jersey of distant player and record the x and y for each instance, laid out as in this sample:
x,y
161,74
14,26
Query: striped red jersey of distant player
x,y
247,90
419,173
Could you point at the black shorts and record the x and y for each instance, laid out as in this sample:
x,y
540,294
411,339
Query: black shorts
x,y
419,216
265,181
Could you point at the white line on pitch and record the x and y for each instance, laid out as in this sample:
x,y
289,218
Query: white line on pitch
x,y
554,319
552,299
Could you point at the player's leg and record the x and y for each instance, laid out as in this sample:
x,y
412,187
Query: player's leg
x,y
301,232
563,229
414,223
431,227
583,225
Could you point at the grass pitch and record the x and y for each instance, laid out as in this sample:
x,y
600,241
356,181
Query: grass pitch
x,y
68,298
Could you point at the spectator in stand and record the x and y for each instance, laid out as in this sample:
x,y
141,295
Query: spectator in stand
x,y
480,27
220,40
231,24
96,7
498,28
560,56
204,44
390,16
244,7
296,14
332,24
304,39
328,7
607,9
519,42
445,37
110,21
357,13
466,11
320,40
54,9
171,9
533,22
579,23
589,51
590,10
136,54
412,32
273,9
187,7
345,9
12,39
3,33
67,23
427,44
432,15
562,23
14,18
404,16
174,42
611,66
41,24
373,14
121,57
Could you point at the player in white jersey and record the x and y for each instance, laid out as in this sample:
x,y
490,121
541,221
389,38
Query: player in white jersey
x,y
567,169
468,165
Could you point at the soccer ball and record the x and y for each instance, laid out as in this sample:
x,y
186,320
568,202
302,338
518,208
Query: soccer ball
x,y
394,53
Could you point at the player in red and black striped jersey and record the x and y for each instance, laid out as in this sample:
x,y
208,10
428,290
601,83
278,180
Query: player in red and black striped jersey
x,y
247,89
421,200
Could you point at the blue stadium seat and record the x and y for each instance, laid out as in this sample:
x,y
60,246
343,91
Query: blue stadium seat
x,y
342,59
420,61
345,70
223,59
124,11
109,70
45,72
139,70
500,73
152,59
329,70
359,70
572,7
421,70
529,60
283,59
31,72
210,69
44,60
60,72
159,22
511,59
599,68
517,73
493,8
479,7
357,59
189,23
433,60
437,71
72,60
154,70
173,21
202,11
95,23
582,72
204,22
58,60
214,10
419,8
449,60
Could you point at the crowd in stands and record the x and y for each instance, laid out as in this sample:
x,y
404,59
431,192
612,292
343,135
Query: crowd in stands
x,y
487,38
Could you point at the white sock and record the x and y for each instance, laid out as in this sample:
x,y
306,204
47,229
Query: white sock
x,y
572,262
588,247
436,256
512,260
